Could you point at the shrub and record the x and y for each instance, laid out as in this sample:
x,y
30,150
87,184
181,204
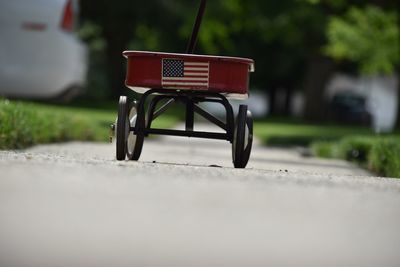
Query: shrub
x,y
384,157
323,149
355,148
380,154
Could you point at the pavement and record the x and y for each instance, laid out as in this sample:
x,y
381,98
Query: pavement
x,y
183,204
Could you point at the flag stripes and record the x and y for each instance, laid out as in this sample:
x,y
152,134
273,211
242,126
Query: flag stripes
x,y
180,74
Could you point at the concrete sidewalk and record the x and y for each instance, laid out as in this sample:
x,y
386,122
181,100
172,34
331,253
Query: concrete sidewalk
x,y
206,152
74,205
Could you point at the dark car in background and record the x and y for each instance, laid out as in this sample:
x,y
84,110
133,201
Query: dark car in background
x,y
349,107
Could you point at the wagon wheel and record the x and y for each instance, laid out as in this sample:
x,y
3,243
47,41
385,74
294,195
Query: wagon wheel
x,y
134,142
122,128
242,138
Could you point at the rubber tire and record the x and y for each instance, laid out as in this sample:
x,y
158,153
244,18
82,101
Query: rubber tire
x,y
247,150
240,153
121,131
137,148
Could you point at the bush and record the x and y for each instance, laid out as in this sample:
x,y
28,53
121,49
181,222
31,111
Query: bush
x,y
384,157
323,149
355,148
379,154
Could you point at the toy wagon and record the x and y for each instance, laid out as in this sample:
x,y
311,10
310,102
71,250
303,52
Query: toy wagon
x,y
166,78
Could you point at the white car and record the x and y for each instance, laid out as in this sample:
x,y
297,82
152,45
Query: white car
x,y
40,57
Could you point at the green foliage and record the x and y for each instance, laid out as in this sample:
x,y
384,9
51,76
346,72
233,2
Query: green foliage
x,y
289,133
323,149
147,38
24,124
91,33
331,3
96,84
279,35
368,36
385,157
354,148
379,154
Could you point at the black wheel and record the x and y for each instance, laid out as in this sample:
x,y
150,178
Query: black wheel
x,y
242,138
134,142
122,128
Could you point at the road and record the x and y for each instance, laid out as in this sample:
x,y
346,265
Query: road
x,y
184,205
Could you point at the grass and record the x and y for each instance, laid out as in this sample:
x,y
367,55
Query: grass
x,y
384,157
289,132
378,153
351,148
23,124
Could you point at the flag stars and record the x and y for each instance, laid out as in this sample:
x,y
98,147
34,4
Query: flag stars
x,y
173,68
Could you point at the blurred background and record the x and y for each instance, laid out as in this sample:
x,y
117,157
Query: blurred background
x,y
324,69
319,60
335,60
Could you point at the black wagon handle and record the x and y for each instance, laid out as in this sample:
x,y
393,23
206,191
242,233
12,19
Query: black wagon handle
x,y
196,27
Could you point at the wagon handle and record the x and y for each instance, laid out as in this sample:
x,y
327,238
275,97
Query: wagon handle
x,y
196,27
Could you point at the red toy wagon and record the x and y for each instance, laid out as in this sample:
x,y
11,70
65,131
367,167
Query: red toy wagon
x,y
165,78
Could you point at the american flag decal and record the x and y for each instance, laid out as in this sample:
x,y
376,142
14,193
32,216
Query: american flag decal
x,y
181,74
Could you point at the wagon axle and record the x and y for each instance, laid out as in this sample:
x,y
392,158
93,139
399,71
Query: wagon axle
x,y
134,122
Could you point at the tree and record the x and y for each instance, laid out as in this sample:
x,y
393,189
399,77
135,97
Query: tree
x,y
368,36
284,37
118,22
254,28
279,35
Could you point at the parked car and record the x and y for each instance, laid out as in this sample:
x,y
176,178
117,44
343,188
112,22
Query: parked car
x,y
40,56
348,107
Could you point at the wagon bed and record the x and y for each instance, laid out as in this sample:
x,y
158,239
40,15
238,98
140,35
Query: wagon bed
x,y
226,75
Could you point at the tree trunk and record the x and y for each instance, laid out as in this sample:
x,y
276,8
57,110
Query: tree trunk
x,y
288,100
271,100
116,65
319,71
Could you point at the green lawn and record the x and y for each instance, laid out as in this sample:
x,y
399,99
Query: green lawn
x,y
378,153
24,123
287,132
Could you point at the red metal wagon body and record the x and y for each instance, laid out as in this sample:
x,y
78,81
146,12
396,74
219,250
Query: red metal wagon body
x,y
226,75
